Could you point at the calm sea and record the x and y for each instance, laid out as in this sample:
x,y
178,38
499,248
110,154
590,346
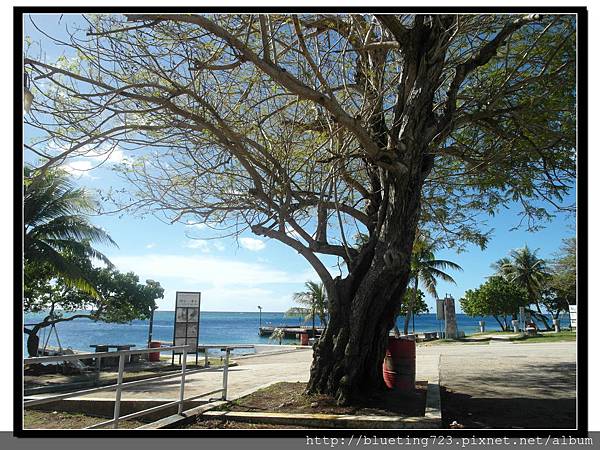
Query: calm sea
x,y
215,328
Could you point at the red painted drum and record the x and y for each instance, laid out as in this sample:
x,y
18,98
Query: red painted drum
x,y
303,338
399,364
154,356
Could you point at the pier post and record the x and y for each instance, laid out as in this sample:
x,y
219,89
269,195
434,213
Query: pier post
x,y
182,385
225,373
117,411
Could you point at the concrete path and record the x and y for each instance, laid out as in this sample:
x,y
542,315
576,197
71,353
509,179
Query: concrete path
x,y
507,385
532,365
250,373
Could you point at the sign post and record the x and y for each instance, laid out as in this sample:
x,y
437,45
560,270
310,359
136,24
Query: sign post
x,y
573,315
439,314
186,325
522,319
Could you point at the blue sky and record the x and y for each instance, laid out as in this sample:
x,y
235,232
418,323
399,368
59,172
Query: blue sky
x,y
239,274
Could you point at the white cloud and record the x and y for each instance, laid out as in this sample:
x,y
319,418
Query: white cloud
x,y
198,226
254,245
77,168
90,155
151,245
206,270
114,156
198,244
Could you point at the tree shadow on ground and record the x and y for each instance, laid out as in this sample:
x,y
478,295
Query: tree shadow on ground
x,y
498,413
527,396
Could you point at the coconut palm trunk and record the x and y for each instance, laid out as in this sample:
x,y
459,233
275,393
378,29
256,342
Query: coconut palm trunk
x,y
410,309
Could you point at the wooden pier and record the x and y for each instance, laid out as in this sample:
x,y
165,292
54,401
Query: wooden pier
x,y
291,332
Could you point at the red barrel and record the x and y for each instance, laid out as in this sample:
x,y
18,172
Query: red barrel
x,y
154,356
303,338
399,364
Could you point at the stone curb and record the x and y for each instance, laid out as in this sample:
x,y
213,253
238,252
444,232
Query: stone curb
x,y
326,420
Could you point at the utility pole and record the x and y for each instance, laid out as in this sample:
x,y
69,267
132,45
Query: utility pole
x,y
259,318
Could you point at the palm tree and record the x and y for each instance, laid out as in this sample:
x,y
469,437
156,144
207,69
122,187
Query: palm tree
x,y
278,333
56,228
315,300
525,269
426,268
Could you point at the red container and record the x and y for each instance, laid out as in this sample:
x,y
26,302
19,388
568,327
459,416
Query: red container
x,y
399,364
303,338
154,356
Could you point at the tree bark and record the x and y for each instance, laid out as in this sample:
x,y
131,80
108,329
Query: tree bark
x,y
33,342
410,309
500,323
540,316
363,306
348,358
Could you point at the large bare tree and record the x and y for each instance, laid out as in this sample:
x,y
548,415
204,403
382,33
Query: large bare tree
x,y
333,134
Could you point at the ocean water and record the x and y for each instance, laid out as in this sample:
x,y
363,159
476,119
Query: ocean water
x,y
215,328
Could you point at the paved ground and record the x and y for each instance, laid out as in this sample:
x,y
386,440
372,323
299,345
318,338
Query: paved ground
x,y
498,384
250,373
506,385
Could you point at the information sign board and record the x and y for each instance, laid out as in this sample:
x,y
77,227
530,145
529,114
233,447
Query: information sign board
x,y
439,310
573,315
186,327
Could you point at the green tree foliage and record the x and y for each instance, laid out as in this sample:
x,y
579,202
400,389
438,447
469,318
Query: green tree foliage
x,y
118,298
313,301
277,334
310,128
526,270
54,225
413,304
497,297
426,268
560,286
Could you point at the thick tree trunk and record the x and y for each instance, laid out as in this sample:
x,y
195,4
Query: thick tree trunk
x,y
363,306
33,342
407,321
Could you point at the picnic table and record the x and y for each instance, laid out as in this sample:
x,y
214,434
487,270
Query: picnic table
x,y
114,361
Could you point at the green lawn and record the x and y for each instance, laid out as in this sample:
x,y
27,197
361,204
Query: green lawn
x,y
452,341
492,332
547,336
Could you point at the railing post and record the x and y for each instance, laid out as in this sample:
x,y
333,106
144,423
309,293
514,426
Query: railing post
x,y
118,393
98,367
182,386
225,373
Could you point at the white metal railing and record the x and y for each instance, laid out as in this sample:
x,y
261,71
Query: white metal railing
x,y
120,385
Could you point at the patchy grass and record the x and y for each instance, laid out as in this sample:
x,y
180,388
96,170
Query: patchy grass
x,y
453,341
492,332
71,421
547,336
290,398
437,342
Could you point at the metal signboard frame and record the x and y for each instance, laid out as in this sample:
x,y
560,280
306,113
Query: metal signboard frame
x,y
439,309
573,316
186,321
